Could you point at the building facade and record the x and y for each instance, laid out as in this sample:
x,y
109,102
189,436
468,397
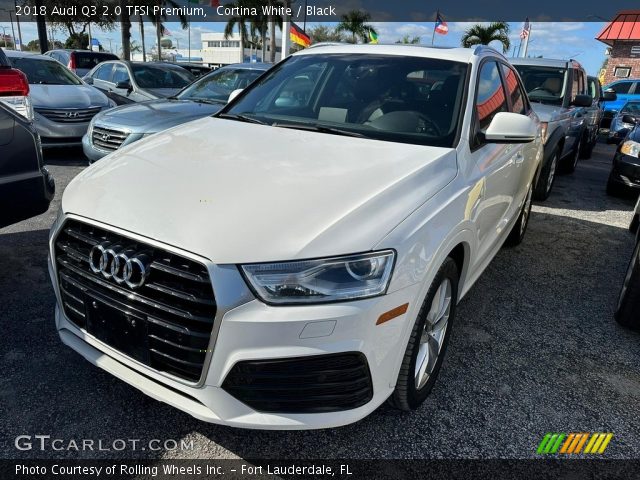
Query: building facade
x,y
217,50
622,36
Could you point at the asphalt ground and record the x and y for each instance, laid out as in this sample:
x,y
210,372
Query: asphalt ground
x,y
534,349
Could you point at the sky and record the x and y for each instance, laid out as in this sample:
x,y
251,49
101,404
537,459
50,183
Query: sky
x,y
562,40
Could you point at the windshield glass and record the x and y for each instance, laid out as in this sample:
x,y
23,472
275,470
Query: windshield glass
x,y
218,85
45,72
631,108
386,97
88,60
543,84
157,76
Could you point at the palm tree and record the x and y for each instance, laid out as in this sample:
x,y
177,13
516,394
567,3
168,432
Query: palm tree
x,y
484,35
125,29
355,23
144,48
407,40
241,22
157,21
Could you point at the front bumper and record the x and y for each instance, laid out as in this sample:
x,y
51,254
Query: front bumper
x,y
626,170
247,330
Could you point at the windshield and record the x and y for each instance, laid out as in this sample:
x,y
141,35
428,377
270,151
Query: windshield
x,y
631,108
88,60
157,76
45,72
543,84
217,86
386,97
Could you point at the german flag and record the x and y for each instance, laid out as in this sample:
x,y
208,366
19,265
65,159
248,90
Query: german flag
x,y
298,36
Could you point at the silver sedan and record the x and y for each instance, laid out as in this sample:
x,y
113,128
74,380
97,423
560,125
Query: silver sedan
x,y
63,104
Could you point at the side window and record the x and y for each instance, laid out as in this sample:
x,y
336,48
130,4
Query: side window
x,y
120,74
104,72
637,88
490,97
514,90
594,89
622,87
575,86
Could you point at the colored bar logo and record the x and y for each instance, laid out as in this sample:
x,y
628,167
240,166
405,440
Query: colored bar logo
x,y
574,443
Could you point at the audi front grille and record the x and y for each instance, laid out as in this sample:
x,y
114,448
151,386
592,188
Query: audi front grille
x,y
68,115
107,138
151,305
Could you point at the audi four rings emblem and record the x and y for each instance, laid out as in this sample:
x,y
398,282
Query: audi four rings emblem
x,y
120,263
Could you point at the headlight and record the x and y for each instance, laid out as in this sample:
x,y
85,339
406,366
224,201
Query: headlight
x,y
323,280
543,133
630,148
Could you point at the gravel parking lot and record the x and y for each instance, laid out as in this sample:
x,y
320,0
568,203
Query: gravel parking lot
x,y
534,350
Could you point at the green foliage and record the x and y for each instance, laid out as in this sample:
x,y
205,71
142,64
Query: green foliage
x,y
484,35
354,23
407,40
323,33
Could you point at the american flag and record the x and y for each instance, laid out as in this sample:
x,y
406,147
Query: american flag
x,y
525,29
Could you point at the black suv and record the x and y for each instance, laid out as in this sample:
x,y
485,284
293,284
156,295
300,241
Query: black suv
x,y
26,187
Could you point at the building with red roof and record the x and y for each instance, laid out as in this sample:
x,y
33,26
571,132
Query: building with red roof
x,y
623,37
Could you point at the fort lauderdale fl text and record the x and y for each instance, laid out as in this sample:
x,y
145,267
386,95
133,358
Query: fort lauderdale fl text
x,y
170,469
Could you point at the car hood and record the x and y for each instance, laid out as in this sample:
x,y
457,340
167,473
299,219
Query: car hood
x,y
66,96
548,113
155,115
162,92
235,192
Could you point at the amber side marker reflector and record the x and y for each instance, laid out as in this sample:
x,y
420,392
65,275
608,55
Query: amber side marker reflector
x,y
391,314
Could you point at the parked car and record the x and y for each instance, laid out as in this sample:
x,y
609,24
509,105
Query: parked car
x,y
560,97
196,69
64,105
628,308
624,121
126,124
296,260
80,62
625,171
593,115
26,187
625,90
127,82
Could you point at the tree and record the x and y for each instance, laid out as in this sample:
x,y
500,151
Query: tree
x,y
160,30
323,33
78,24
483,35
125,29
240,21
407,40
355,24
77,41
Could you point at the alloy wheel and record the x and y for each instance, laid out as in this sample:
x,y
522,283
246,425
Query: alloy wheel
x,y
526,212
552,171
433,333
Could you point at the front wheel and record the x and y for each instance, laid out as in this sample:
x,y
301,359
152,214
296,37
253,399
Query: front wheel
x,y
629,300
428,342
547,177
571,163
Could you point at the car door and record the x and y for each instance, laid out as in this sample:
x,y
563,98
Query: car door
x,y
495,177
101,77
594,113
577,114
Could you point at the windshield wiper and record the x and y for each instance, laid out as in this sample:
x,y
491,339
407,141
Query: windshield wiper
x,y
205,100
242,118
321,129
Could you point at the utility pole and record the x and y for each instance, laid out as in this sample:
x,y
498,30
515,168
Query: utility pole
x,y
18,23
13,32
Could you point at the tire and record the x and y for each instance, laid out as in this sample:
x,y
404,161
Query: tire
x,y
613,188
413,387
520,227
628,309
547,177
571,163
635,223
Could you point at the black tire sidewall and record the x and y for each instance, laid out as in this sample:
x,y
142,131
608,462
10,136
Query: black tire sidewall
x,y
625,314
448,270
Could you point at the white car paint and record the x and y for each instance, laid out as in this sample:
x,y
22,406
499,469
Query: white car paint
x,y
287,195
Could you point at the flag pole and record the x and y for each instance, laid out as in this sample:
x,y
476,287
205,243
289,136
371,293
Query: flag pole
x,y
433,35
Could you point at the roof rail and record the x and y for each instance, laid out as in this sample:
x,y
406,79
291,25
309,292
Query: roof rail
x,y
484,48
327,44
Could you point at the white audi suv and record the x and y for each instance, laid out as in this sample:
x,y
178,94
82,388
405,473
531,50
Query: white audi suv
x,y
295,260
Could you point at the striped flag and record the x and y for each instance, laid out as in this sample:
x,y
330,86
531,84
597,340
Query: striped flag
x,y
441,26
298,36
526,28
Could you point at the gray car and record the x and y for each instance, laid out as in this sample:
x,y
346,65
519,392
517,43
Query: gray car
x,y
126,82
128,123
80,62
63,104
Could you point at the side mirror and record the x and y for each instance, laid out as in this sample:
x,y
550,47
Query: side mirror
x,y
629,119
234,94
609,95
126,85
582,101
507,127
